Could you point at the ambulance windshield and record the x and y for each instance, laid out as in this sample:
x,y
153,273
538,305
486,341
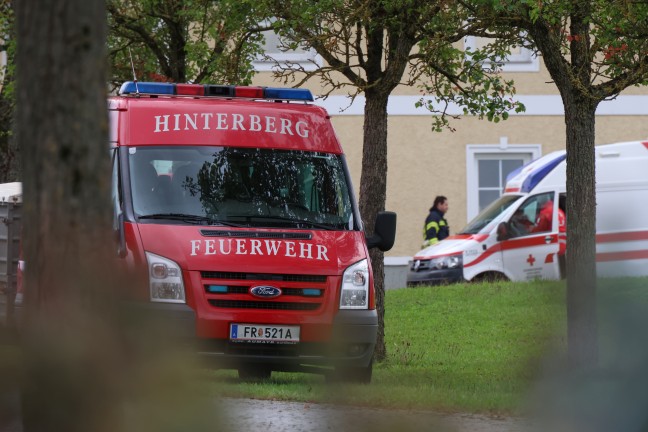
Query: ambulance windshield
x,y
490,216
248,187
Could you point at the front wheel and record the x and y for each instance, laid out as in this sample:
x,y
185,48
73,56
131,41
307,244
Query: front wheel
x,y
490,277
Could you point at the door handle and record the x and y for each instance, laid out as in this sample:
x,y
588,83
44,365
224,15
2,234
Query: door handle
x,y
548,239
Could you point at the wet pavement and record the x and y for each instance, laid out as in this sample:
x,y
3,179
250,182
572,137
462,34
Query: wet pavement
x,y
243,415
251,415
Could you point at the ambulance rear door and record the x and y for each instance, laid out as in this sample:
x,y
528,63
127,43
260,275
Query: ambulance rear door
x,y
531,251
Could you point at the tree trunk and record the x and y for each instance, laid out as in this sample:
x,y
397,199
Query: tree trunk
x,y
574,83
373,194
71,352
581,231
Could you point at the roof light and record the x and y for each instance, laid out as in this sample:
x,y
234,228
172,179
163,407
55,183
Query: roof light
x,y
534,177
228,91
288,94
248,92
190,89
219,90
514,173
130,87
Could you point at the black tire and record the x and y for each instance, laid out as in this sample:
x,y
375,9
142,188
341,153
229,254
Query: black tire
x,y
254,372
490,277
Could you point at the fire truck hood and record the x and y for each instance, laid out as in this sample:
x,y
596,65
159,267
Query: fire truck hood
x,y
450,246
215,248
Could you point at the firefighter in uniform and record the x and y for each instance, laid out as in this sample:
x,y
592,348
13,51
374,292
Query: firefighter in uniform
x,y
436,227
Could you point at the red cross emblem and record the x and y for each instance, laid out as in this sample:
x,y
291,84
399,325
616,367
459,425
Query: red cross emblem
x,y
531,260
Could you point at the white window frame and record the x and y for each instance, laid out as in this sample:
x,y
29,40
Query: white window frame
x,y
524,61
308,60
476,151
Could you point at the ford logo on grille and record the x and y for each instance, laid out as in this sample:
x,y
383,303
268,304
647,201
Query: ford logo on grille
x,y
265,291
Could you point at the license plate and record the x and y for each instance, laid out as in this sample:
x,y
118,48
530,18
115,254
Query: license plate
x,y
262,333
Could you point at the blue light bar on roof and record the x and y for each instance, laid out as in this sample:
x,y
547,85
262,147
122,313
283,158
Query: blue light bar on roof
x,y
288,94
274,93
534,177
130,87
514,173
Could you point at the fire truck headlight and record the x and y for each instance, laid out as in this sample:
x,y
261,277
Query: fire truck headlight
x,y
355,286
165,280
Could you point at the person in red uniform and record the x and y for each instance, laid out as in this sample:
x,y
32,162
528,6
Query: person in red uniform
x,y
543,224
545,217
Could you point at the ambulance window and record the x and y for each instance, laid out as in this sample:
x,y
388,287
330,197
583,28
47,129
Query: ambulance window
x,y
489,217
533,216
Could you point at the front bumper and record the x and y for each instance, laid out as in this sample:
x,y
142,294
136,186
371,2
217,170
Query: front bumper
x,y
352,343
174,322
434,276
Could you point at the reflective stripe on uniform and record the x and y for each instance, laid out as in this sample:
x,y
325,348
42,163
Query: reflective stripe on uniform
x,y
432,224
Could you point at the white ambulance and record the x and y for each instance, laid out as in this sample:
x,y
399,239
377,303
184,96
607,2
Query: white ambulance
x,y
521,236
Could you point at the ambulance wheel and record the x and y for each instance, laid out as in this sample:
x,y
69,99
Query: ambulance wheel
x,y
254,372
490,277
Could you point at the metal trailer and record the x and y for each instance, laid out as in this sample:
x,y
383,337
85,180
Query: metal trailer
x,y
10,228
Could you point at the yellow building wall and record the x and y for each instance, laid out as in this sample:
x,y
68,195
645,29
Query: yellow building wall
x,y
423,163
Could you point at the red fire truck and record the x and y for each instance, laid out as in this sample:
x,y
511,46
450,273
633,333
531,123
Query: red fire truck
x,y
236,205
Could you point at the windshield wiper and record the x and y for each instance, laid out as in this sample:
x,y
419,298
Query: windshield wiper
x,y
297,223
176,216
316,225
190,218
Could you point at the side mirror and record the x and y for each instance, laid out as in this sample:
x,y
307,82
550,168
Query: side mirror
x,y
503,232
384,231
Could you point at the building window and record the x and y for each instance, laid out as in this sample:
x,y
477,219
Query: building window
x,y
302,57
520,60
492,170
488,165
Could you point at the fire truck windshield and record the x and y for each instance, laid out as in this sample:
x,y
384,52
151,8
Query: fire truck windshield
x,y
239,187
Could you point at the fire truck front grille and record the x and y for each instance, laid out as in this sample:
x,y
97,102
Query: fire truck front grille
x,y
272,305
299,292
263,277
249,291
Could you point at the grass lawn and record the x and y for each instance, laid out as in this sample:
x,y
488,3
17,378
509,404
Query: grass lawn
x,y
464,347
473,348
